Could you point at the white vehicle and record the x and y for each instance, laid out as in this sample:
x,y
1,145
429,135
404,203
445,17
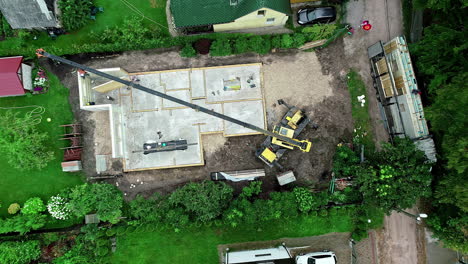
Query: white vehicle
x,y
324,257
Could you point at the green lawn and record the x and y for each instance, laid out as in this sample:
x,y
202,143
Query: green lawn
x,y
199,245
362,123
115,12
18,186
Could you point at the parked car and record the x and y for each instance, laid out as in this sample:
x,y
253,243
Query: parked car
x,y
308,16
324,257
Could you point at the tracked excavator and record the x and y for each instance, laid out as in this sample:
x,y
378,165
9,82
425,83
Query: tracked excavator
x,y
282,137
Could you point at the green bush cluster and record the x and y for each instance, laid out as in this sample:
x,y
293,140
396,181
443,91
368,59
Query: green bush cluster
x,y
188,51
75,13
19,252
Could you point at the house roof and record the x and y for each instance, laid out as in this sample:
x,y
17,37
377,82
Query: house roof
x,y
209,12
28,14
10,83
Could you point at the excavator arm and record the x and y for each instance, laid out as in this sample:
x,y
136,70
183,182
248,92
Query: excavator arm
x,y
302,145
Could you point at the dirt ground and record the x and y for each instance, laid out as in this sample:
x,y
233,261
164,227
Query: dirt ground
x,y
296,77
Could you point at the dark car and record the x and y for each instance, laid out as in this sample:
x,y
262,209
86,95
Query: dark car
x,y
317,15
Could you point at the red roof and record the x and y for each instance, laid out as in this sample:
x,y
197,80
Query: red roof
x,y
10,83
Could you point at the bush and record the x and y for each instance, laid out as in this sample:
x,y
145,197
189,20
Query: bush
x,y
75,13
6,28
221,47
260,45
254,188
13,208
299,39
202,201
188,51
132,33
276,41
15,252
22,223
287,41
304,199
33,206
241,45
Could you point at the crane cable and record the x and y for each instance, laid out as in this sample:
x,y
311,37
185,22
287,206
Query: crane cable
x,y
34,116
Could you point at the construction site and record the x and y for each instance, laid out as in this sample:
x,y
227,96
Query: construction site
x,y
145,143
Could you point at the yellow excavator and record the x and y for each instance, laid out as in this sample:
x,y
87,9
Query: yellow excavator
x,y
291,125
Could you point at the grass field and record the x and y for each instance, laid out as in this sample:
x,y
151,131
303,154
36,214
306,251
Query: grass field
x,y
199,245
115,12
17,186
362,124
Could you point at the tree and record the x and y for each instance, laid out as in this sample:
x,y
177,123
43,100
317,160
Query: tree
x,y
397,177
448,120
24,146
104,199
75,13
33,206
19,252
202,201
147,210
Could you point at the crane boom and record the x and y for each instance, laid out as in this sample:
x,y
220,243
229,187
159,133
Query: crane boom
x,y
299,144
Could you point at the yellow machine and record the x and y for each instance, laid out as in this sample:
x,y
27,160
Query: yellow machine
x,y
287,132
294,120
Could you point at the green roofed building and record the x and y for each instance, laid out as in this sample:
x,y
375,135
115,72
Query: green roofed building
x,y
223,15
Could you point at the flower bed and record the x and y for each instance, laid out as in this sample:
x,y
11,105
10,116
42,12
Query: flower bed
x,y
40,82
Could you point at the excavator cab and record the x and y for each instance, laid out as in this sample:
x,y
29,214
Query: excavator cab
x,y
294,120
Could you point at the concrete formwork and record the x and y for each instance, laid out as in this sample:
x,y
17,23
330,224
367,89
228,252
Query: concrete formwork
x,y
144,118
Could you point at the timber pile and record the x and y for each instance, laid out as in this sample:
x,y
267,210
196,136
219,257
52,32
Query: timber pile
x,y
313,44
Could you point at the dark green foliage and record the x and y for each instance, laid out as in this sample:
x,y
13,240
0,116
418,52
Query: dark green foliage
x,y
253,189
450,229
6,28
299,39
221,47
287,41
241,45
24,145
75,13
16,252
149,210
131,33
188,51
449,121
346,162
276,41
397,177
22,223
104,199
259,44
202,201
82,252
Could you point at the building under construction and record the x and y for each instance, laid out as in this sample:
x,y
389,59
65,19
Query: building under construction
x,y
150,132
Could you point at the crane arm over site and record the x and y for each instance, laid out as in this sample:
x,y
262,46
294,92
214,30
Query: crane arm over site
x,y
303,145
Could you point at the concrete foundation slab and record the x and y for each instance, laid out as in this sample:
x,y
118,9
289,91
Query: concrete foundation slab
x,y
251,112
178,79
179,94
197,83
220,85
143,118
